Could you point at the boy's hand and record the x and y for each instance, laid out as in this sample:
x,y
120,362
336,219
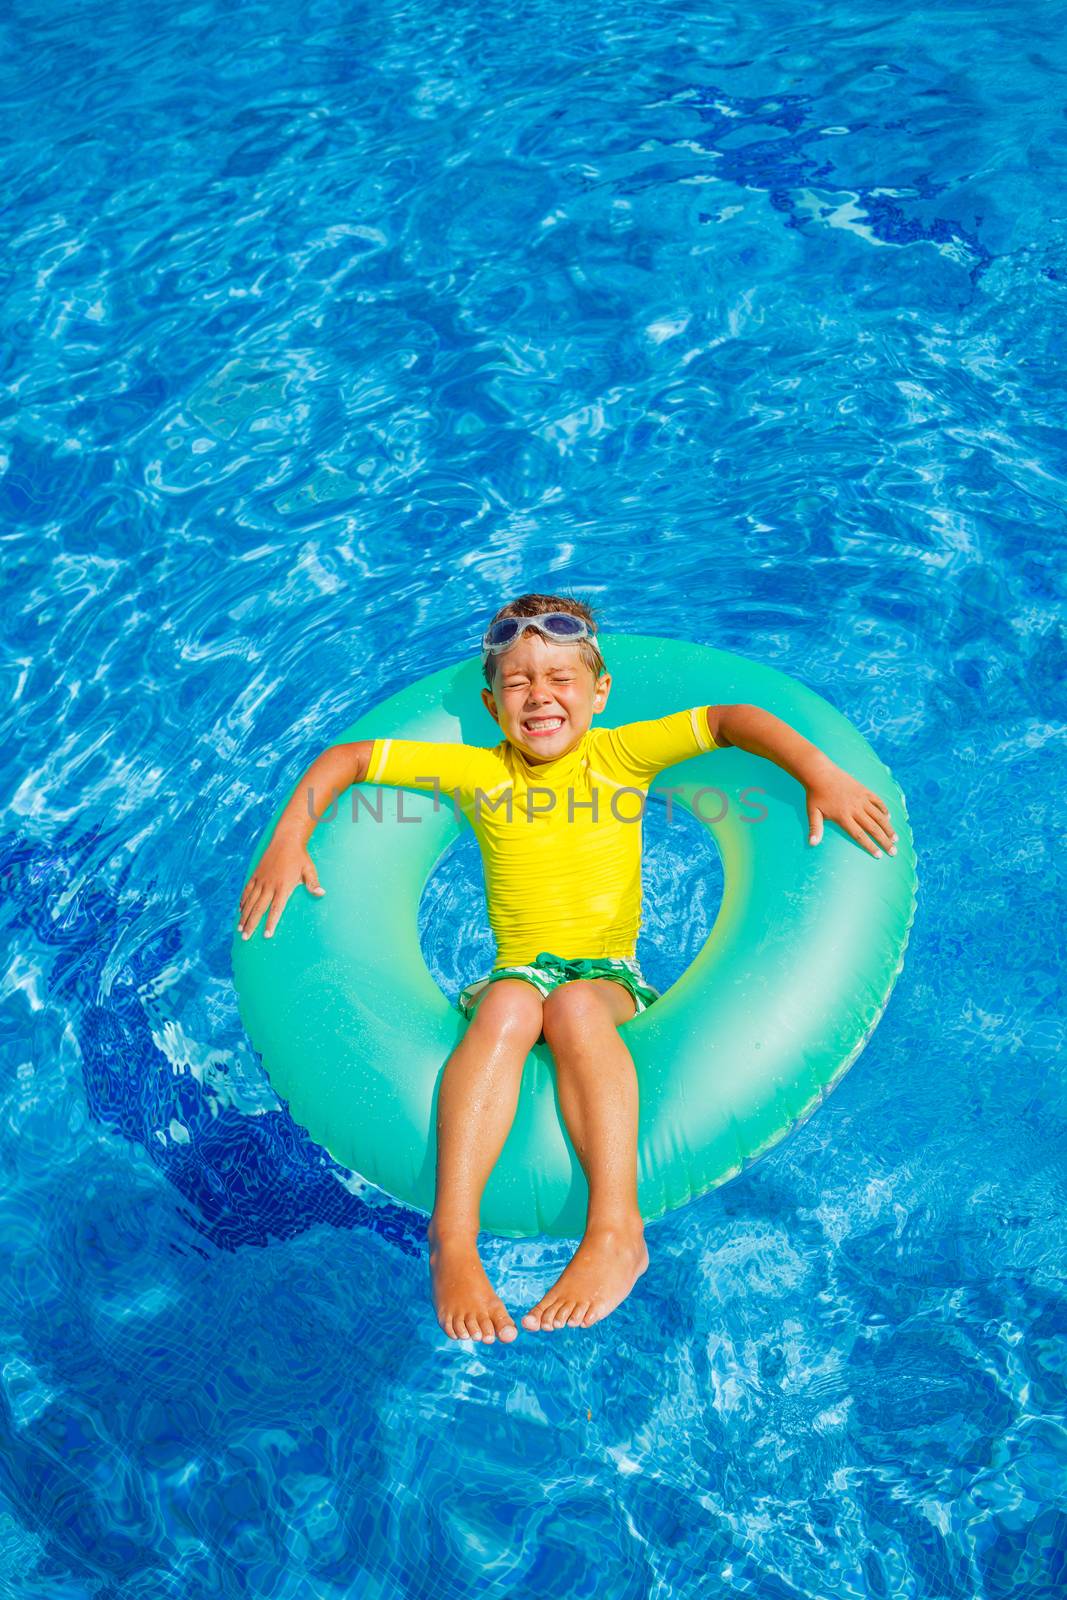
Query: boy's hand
x,y
282,866
838,796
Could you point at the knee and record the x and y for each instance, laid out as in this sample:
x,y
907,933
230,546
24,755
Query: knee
x,y
570,1011
512,1010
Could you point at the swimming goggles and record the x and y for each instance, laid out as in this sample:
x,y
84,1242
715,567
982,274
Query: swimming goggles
x,y
558,626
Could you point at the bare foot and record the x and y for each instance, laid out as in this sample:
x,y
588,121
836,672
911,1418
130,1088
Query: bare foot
x,y
599,1275
466,1304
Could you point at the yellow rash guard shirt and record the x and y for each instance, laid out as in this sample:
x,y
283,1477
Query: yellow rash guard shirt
x,y
562,863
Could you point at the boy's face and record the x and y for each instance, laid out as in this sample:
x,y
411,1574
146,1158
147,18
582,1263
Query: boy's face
x,y
539,682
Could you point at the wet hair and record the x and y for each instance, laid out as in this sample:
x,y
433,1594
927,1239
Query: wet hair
x,y
531,605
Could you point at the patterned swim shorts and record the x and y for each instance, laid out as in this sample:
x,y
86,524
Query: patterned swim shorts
x,y
548,971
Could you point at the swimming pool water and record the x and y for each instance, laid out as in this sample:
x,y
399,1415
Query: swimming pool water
x,y
326,328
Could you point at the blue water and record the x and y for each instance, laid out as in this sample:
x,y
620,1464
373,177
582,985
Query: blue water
x,y
325,329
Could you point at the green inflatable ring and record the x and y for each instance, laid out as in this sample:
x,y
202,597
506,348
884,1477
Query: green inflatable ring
x,y
354,1032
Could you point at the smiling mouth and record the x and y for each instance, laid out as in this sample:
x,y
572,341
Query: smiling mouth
x,y
542,725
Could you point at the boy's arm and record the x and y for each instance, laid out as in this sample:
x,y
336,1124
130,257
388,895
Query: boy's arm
x,y
713,715
831,792
285,862
328,776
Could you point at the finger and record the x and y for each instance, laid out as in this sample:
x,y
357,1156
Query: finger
x,y
249,890
253,912
882,812
311,881
868,844
873,803
814,824
881,830
256,910
280,901
249,901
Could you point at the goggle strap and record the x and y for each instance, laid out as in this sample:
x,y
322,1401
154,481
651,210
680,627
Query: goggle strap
x,y
581,631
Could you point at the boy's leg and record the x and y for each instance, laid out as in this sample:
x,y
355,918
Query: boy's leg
x,y
598,1097
476,1105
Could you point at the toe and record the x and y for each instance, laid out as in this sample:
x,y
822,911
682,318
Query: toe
x,y
502,1323
563,1311
578,1313
541,1313
532,1320
485,1322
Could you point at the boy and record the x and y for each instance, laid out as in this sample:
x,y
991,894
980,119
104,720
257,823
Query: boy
x,y
562,865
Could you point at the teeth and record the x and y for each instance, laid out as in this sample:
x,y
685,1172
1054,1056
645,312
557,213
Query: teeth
x,y
548,722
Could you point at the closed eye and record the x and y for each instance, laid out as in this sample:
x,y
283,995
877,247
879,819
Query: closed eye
x,y
522,683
